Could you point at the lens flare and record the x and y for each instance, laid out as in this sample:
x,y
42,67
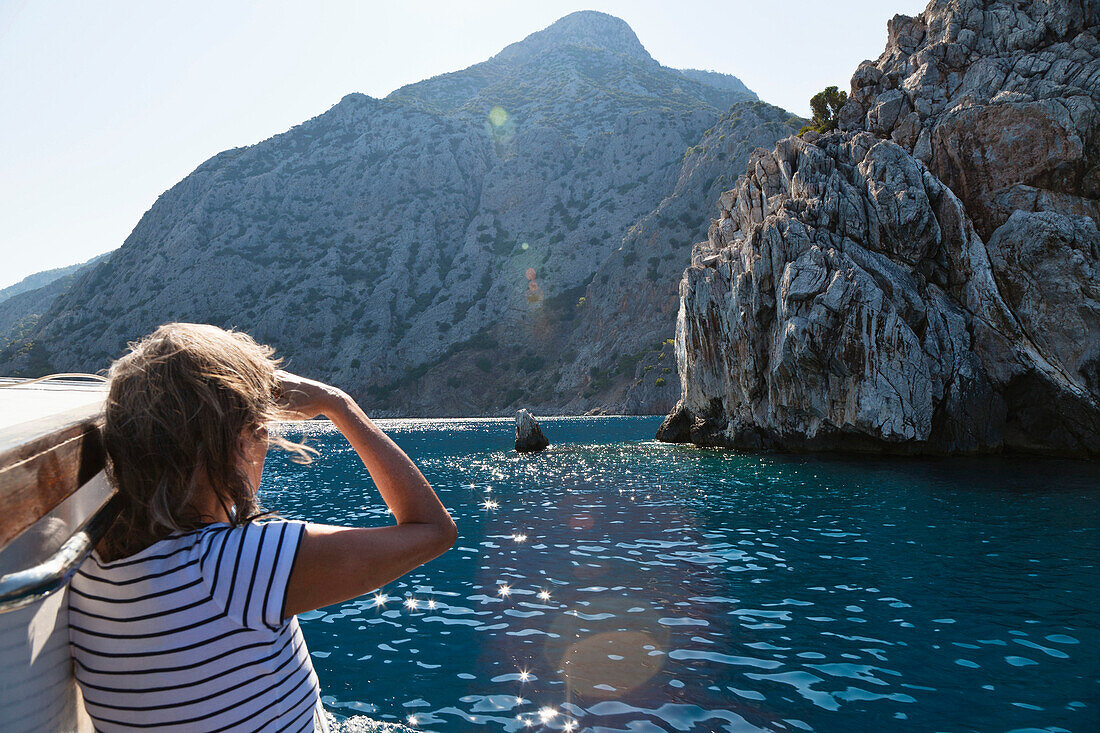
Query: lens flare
x,y
498,116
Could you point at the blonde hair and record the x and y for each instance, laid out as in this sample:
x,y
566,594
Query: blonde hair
x,y
178,403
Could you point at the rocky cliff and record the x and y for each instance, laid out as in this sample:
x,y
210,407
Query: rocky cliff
x,y
927,278
427,251
623,345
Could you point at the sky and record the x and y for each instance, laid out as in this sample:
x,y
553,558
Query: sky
x,y
105,105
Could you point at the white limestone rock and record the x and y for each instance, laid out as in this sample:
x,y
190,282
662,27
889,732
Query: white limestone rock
x,y
846,299
529,437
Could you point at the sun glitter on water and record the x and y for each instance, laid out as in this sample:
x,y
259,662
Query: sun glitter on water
x,y
576,499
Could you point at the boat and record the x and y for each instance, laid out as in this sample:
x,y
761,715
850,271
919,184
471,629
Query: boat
x,y
55,505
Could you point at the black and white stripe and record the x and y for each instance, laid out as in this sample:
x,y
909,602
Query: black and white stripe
x,y
188,635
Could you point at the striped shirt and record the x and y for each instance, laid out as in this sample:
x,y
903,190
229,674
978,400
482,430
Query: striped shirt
x,y
189,635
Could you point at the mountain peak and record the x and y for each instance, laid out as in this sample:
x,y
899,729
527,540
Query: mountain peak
x,y
582,28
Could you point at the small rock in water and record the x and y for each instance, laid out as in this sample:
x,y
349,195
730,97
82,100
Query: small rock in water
x,y
529,437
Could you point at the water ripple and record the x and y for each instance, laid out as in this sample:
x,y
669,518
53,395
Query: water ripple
x,y
612,583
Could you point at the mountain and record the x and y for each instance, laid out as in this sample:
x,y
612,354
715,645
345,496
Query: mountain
x,y
720,81
40,279
426,251
22,304
925,278
623,345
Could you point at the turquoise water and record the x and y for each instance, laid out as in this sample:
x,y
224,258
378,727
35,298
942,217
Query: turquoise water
x,y
702,590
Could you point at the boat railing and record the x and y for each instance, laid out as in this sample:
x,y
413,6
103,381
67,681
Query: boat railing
x,y
24,587
55,505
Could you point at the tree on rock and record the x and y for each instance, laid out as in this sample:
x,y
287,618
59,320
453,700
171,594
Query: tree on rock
x,y
826,105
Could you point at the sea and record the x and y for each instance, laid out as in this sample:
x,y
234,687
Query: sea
x,y
616,583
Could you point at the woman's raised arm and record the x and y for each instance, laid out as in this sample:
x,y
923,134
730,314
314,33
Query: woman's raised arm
x,y
335,563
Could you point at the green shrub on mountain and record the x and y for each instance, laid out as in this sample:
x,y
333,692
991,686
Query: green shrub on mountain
x,y
826,105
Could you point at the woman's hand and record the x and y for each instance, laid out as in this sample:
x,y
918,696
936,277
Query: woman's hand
x,y
305,399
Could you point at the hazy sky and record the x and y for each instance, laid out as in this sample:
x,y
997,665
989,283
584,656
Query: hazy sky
x,y
104,105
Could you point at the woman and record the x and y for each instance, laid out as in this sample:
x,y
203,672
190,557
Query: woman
x,y
184,618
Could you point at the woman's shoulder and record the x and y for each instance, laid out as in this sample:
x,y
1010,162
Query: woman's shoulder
x,y
256,531
262,540
246,568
